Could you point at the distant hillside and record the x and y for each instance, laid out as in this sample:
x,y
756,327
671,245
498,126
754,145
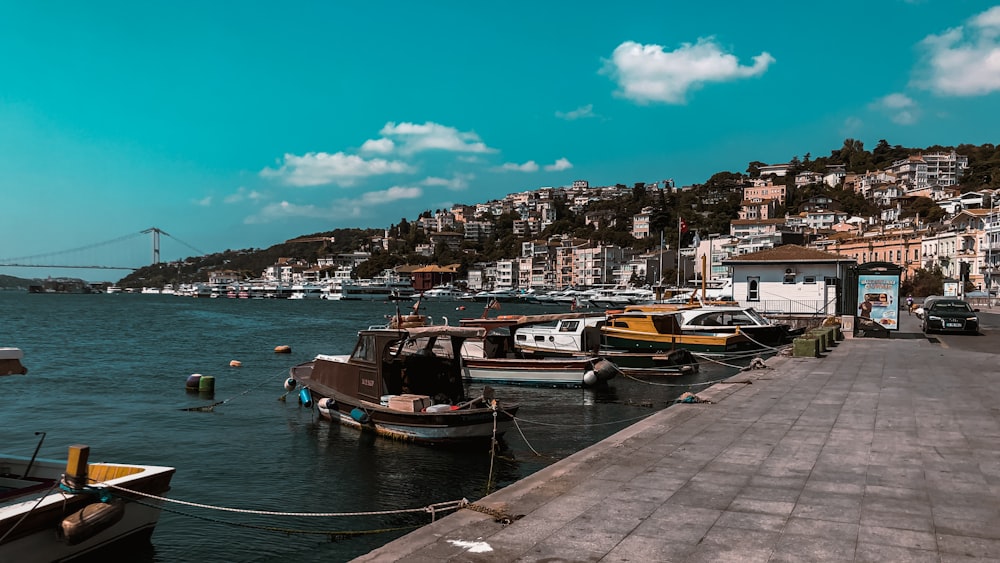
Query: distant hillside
x,y
11,282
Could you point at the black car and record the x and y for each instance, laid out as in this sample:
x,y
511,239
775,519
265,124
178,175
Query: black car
x,y
950,315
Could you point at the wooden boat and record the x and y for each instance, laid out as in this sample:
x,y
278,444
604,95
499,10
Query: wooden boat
x,y
404,383
10,362
53,510
661,332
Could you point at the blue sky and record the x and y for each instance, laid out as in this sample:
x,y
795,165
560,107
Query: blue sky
x,y
243,124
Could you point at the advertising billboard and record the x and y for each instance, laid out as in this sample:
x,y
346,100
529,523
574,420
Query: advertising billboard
x,y
878,299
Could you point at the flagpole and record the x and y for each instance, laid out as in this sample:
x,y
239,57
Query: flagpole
x,y
678,250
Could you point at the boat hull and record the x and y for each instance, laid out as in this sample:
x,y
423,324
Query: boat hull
x,y
33,537
474,421
549,372
698,343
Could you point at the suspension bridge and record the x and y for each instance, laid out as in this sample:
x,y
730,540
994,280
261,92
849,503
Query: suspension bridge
x,y
116,254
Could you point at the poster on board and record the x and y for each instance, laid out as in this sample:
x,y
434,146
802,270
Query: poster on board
x,y
878,299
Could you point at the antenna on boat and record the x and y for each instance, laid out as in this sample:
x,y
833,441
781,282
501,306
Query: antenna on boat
x,y
34,455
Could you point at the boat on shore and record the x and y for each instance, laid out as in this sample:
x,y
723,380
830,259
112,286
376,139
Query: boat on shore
x,y
404,383
10,362
52,510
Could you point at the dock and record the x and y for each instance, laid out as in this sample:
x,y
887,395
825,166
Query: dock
x,y
881,450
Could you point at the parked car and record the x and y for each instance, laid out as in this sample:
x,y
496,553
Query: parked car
x,y
950,315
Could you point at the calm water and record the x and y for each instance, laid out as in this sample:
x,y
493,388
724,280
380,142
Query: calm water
x,y
109,371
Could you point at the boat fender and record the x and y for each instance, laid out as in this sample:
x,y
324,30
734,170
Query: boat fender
x,y
305,397
290,384
589,377
90,521
326,404
359,415
192,381
604,370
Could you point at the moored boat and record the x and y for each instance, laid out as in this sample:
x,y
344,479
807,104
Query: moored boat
x,y
406,384
654,331
10,362
53,510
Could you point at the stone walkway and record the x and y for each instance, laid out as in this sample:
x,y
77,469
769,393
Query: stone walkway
x,y
883,450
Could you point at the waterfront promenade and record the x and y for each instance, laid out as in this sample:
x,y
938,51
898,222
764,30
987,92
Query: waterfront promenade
x,y
883,450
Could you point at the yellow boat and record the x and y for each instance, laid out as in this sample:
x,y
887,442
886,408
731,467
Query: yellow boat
x,y
660,331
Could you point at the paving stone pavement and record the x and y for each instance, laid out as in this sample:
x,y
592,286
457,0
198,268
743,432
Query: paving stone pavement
x,y
883,450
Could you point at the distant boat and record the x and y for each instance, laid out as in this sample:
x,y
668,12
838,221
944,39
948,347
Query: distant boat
x,y
356,290
445,293
54,510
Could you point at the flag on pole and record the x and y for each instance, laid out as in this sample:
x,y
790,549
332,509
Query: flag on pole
x,y
682,225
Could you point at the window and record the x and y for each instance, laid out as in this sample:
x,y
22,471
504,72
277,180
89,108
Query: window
x,y
809,279
753,288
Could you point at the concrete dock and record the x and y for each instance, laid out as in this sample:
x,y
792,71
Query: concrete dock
x,y
882,450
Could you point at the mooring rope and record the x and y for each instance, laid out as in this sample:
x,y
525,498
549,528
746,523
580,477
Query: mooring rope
x,y
430,509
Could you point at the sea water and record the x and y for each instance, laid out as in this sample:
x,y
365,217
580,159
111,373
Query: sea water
x,y
109,371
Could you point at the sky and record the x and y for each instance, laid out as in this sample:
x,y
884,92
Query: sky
x,y
235,125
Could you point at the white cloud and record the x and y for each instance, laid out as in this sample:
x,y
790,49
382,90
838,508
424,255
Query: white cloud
x,y
204,202
413,138
456,182
647,73
380,146
242,194
530,166
581,112
900,108
320,168
963,61
286,210
561,164
390,195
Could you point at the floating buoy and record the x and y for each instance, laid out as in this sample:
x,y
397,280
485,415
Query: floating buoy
x,y
359,415
460,308
290,384
283,349
305,397
206,384
91,520
235,363
193,381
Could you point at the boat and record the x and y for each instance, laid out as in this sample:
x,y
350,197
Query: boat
x,y
404,383
10,362
362,290
580,334
53,510
714,319
445,292
497,296
660,331
306,291
495,358
618,297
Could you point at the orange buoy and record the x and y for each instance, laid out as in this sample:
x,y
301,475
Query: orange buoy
x,y
235,364
283,349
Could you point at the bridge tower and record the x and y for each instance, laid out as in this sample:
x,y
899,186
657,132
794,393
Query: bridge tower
x,y
156,242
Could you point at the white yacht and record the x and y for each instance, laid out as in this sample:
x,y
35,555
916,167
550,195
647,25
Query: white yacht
x,y
446,292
